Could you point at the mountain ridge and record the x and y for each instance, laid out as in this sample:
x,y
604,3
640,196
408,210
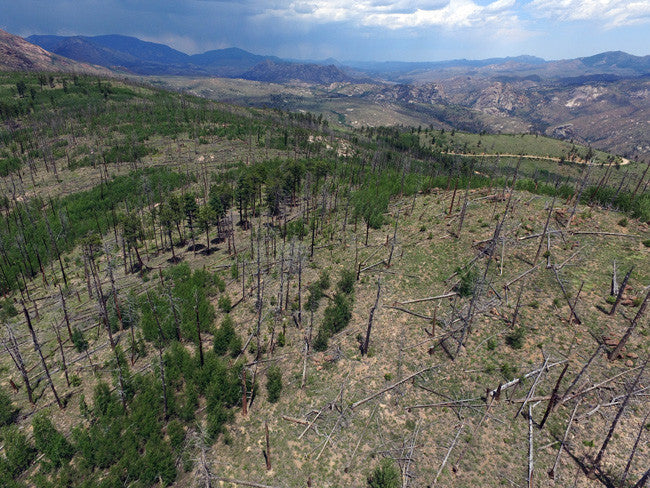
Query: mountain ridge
x,y
17,54
149,58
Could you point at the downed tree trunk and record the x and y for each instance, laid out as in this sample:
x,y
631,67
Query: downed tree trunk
x,y
388,388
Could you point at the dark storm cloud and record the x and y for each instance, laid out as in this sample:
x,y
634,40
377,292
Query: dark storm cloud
x,y
361,29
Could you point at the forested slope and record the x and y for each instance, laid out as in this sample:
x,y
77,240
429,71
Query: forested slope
x,y
196,293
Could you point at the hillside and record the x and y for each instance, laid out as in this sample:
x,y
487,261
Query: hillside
x,y
202,294
600,100
149,58
16,54
273,72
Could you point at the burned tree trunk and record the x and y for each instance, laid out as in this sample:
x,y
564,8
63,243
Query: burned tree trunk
x,y
198,328
621,344
541,240
65,313
267,452
17,358
366,343
601,452
64,364
37,348
554,397
621,290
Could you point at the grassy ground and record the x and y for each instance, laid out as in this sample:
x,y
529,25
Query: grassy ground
x,y
529,144
345,444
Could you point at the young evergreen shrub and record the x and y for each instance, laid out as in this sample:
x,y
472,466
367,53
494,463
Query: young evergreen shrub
x,y
79,341
320,343
219,283
314,296
51,442
176,434
467,282
188,408
18,452
324,281
516,338
282,339
346,283
337,315
216,419
225,304
7,409
158,463
226,338
386,475
274,383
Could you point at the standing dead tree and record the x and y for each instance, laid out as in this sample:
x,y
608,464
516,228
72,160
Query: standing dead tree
x,y
553,471
366,343
531,448
620,291
64,364
567,298
14,351
634,449
554,396
541,241
37,348
635,321
601,452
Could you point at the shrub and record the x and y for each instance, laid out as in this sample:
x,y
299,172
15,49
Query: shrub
x,y
225,304
176,434
19,453
516,338
51,442
324,281
386,475
337,315
623,222
274,383
465,287
226,337
7,409
320,343
79,341
346,283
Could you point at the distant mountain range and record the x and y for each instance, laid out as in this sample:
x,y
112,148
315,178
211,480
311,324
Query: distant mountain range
x,y
132,55
129,54
602,100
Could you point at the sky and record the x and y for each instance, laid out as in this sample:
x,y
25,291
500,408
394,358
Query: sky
x,y
347,30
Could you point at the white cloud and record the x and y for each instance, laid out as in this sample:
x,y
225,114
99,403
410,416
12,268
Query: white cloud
x,y
613,13
400,13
